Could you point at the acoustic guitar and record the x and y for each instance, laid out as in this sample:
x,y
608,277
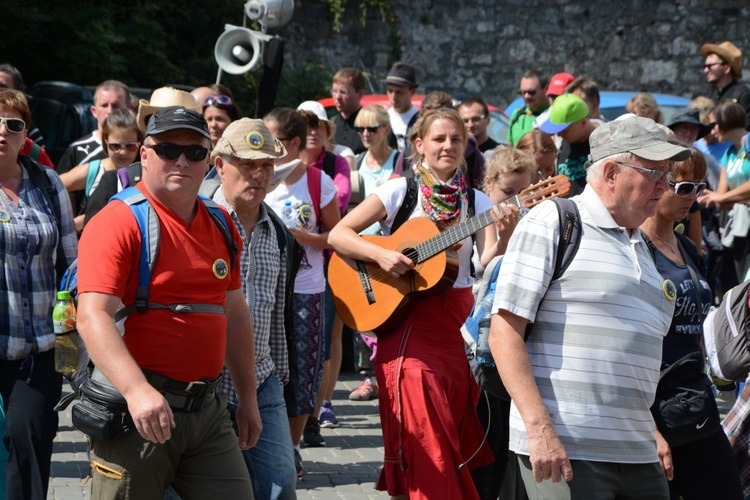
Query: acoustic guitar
x,y
368,299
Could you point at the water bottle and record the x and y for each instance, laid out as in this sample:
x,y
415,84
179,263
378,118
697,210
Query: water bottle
x,y
484,316
289,214
64,325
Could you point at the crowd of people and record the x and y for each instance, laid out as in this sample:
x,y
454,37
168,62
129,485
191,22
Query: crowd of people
x,y
226,359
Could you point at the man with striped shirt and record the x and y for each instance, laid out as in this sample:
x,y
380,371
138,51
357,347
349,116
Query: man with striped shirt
x,y
584,381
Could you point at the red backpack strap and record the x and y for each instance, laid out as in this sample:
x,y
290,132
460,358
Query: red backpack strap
x,y
313,186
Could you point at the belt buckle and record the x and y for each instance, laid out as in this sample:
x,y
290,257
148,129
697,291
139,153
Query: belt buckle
x,y
195,384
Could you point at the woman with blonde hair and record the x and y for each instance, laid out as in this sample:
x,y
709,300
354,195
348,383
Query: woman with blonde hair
x,y
543,149
644,105
430,445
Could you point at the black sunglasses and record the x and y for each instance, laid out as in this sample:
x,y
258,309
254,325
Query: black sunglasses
x,y
169,151
372,130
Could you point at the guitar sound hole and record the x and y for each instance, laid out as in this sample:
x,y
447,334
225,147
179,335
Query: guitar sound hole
x,y
411,253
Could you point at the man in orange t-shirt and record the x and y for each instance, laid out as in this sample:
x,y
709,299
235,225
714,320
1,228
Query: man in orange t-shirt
x,y
184,439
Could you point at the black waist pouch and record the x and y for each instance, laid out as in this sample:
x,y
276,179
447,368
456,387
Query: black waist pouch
x,y
102,413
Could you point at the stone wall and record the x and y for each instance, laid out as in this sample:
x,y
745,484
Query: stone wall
x,y
483,47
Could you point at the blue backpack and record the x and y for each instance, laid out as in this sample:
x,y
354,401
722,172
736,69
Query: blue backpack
x,y
148,223
476,329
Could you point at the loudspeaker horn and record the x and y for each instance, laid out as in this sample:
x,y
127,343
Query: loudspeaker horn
x,y
270,13
238,50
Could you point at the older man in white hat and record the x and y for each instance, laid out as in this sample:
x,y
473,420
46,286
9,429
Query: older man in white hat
x,y
723,69
244,159
583,388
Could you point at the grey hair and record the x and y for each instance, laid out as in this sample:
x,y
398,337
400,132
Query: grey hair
x,y
594,172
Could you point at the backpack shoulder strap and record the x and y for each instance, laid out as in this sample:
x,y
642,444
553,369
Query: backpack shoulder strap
x,y
93,170
567,245
221,222
570,235
410,200
40,179
329,164
210,184
358,160
314,178
123,175
36,150
148,224
279,228
689,248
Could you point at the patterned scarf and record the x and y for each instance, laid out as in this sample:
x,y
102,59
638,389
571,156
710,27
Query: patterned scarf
x,y
441,201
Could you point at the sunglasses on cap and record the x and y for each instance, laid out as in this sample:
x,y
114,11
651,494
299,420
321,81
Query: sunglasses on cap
x,y
220,100
130,147
687,189
372,130
15,125
169,151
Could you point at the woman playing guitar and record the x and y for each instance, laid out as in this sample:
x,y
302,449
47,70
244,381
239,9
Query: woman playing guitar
x,y
428,396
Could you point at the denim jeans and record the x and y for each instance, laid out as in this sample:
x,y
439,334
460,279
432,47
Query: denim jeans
x,y
271,461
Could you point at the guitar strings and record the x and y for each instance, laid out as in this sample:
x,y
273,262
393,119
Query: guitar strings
x,y
413,254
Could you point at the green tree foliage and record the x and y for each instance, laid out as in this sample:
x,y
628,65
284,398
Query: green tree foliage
x,y
143,43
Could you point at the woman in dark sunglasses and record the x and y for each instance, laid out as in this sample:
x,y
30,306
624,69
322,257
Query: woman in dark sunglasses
x,y
219,111
36,230
678,260
122,140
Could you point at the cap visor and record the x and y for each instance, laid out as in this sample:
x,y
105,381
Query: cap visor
x,y
181,127
553,128
662,151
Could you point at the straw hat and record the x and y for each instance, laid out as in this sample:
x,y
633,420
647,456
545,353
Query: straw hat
x,y
729,53
161,98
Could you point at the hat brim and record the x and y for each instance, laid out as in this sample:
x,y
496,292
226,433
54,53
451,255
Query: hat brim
x,y
711,48
703,130
403,82
202,132
662,151
281,172
145,110
548,127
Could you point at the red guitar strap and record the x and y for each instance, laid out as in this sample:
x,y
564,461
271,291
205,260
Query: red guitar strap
x,y
313,186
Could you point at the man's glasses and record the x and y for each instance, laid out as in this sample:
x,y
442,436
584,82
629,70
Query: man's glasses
x,y
372,130
169,151
15,125
687,189
653,175
532,93
711,65
130,147
341,92
473,119
218,100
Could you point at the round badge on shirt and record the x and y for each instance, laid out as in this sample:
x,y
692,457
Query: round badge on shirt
x,y
670,291
221,270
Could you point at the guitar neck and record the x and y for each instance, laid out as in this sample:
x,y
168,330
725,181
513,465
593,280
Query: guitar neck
x,y
459,232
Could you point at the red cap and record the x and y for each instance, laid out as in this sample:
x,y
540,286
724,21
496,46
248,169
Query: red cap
x,y
558,82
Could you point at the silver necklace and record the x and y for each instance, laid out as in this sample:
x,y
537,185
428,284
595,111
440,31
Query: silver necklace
x,y
671,247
